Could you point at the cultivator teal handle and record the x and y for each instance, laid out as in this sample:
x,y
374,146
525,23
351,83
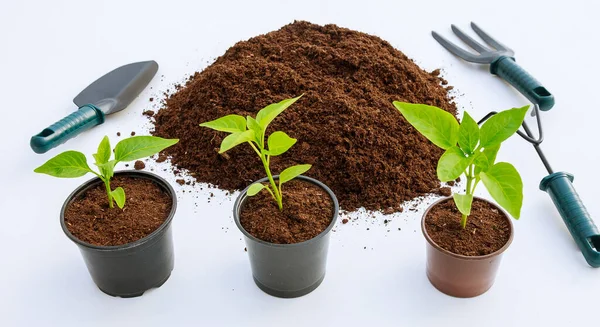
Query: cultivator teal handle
x,y
506,68
580,224
58,133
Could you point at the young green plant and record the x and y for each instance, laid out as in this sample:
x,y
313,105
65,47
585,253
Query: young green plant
x,y
471,150
253,131
71,164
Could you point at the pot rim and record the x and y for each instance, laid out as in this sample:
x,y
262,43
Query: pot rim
x,y
465,257
137,174
242,197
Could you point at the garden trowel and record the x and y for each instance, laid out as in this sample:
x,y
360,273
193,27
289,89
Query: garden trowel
x,y
110,93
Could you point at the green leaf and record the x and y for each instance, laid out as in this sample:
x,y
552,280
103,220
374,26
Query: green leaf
x,y
463,203
119,196
468,134
107,169
485,159
501,126
437,125
68,164
236,138
266,115
102,157
292,172
481,163
229,123
279,143
452,164
137,147
258,130
504,184
254,189
104,151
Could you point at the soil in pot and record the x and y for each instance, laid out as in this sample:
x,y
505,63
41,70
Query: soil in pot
x,y
358,143
487,229
90,219
307,212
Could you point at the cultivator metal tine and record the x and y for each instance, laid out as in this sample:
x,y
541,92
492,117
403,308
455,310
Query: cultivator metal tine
x,y
458,51
489,40
468,40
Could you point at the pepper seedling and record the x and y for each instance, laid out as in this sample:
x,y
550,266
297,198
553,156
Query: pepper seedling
x,y
253,131
72,164
471,150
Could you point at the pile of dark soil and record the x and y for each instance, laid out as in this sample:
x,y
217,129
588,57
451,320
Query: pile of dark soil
x,y
487,228
358,143
90,219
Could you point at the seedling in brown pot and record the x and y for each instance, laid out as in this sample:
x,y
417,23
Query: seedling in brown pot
x,y
252,131
71,164
471,150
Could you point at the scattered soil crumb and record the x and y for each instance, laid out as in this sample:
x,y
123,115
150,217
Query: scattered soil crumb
x,y
444,191
161,157
139,165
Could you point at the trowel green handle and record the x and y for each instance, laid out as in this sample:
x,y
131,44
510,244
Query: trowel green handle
x,y
58,133
578,220
506,68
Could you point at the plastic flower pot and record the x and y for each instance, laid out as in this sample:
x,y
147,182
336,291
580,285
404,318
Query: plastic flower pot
x,y
458,275
130,269
288,270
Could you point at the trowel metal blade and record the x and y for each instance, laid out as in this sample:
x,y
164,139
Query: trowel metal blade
x,y
117,89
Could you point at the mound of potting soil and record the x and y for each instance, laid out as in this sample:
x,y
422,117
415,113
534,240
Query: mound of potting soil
x,y
358,143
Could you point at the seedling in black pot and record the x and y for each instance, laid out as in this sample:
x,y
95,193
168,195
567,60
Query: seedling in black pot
x,y
280,269
252,131
119,269
72,164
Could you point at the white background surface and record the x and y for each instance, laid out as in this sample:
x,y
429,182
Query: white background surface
x,y
50,50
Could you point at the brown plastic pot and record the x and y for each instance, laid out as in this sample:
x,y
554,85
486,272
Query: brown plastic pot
x,y
458,275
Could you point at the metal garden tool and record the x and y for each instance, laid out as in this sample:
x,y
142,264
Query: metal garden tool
x,y
110,93
559,185
502,63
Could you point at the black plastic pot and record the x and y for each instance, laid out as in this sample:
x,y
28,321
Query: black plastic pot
x,y
288,270
129,270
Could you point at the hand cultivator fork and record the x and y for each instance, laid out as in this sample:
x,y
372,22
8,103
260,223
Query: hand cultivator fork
x,y
557,184
502,63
